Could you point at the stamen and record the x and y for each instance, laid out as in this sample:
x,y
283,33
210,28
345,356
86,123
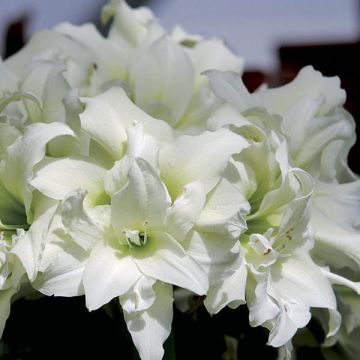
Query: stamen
x,y
135,238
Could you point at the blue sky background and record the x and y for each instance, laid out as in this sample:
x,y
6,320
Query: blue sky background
x,y
252,28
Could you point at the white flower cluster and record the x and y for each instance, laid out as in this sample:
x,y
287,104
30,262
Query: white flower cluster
x,y
136,164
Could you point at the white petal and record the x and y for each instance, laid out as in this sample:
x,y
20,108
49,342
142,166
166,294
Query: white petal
x,y
334,166
63,277
203,104
299,314
29,246
217,254
334,323
38,47
285,327
150,328
336,243
297,215
329,129
86,228
224,210
230,292
104,109
213,54
139,145
142,145
308,83
198,158
297,120
164,259
108,56
292,182
116,113
185,211
340,280
160,71
62,263
26,152
47,83
262,307
224,116
108,274
282,331
141,297
129,25
117,176
299,279
143,201
340,202
57,177
228,85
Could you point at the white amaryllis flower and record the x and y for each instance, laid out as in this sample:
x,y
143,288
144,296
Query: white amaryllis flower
x,y
320,133
278,238
157,218
125,172
135,248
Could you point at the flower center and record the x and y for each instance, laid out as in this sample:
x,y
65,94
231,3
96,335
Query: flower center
x,y
135,238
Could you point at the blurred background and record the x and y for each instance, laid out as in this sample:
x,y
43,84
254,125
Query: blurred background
x,y
252,28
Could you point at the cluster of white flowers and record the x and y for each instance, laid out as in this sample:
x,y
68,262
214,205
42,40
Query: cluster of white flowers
x,y
137,164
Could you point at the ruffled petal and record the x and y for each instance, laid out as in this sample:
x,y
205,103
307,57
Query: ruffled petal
x,y
57,177
116,113
142,203
150,328
108,274
185,211
25,153
198,158
86,227
164,259
230,292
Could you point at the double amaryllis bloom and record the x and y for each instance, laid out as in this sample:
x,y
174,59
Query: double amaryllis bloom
x,y
136,165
